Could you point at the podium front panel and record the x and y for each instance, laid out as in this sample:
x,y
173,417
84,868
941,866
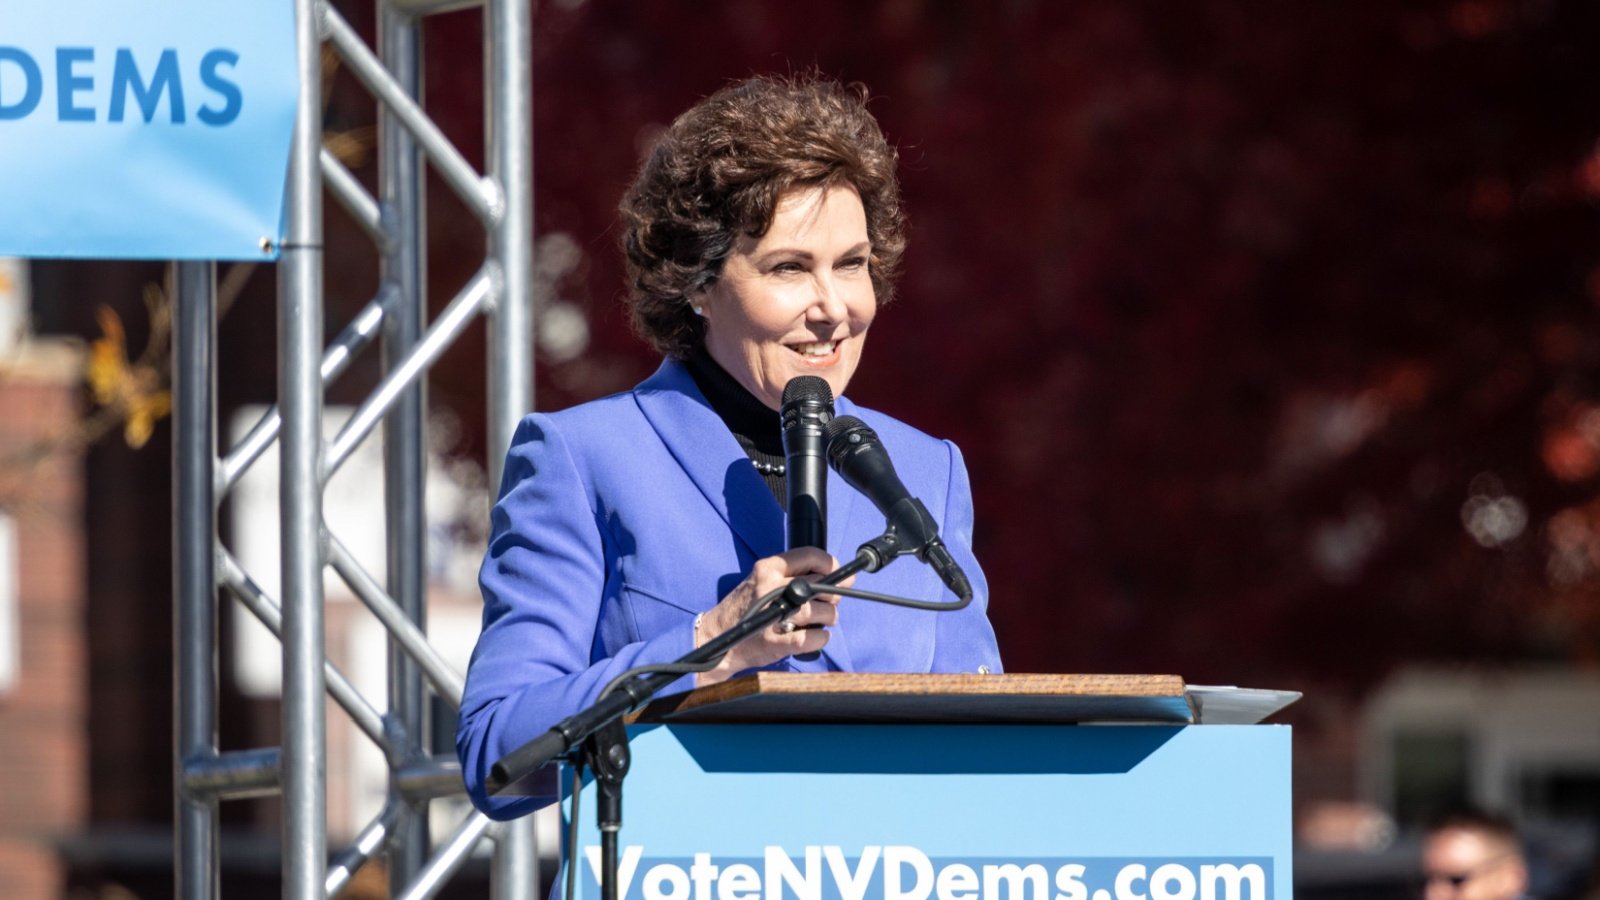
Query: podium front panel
x,y
950,812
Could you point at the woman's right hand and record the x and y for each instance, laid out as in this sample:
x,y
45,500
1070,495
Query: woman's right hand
x,y
774,642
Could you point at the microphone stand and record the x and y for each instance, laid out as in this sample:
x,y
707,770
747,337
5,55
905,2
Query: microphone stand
x,y
599,730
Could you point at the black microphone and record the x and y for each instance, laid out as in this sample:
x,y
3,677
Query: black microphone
x,y
860,459
807,409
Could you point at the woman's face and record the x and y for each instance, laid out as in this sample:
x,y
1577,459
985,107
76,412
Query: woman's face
x,y
798,300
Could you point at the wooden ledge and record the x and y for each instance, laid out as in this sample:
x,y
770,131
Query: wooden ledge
x,y
864,697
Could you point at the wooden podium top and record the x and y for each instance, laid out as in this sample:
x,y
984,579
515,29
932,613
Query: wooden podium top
x,y
861,697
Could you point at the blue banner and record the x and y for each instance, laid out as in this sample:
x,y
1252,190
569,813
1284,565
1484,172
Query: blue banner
x,y
949,812
145,130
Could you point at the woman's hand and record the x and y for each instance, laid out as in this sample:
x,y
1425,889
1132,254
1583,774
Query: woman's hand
x,y
778,640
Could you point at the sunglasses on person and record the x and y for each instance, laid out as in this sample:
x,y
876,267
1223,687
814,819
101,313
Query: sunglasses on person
x,y
1458,880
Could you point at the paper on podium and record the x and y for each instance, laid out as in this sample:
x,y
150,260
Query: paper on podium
x,y
1229,705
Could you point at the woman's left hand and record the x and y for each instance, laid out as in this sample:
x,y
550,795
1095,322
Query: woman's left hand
x,y
802,631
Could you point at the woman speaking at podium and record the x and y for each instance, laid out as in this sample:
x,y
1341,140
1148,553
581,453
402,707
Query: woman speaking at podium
x,y
762,234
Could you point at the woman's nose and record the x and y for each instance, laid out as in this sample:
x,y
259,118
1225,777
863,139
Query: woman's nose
x,y
828,305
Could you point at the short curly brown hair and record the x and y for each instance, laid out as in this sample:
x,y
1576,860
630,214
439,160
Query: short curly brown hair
x,y
719,171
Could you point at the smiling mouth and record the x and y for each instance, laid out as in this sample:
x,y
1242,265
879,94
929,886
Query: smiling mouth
x,y
815,349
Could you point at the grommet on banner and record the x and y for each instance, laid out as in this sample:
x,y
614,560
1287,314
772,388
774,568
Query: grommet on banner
x,y
266,245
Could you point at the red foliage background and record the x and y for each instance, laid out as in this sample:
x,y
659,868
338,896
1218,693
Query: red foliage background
x,y
1269,330
1234,308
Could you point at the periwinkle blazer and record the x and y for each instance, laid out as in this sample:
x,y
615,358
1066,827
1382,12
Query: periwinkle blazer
x,y
621,519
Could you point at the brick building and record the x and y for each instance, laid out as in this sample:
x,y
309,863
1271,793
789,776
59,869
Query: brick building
x,y
44,671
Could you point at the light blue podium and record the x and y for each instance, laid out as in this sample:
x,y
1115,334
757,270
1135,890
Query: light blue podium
x,y
848,787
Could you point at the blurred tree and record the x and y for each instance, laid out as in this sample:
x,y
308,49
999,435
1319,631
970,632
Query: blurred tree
x,y
1269,331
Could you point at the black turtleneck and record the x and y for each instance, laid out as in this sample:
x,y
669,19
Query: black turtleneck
x,y
757,428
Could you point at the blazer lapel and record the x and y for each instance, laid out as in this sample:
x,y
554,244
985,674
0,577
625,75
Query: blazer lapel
x,y
841,501
705,449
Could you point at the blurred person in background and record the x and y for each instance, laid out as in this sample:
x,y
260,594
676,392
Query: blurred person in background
x,y
1473,855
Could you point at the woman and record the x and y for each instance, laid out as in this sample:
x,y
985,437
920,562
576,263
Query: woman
x,y
762,235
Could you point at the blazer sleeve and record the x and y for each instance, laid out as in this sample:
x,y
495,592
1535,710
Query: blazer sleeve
x,y
543,579
964,641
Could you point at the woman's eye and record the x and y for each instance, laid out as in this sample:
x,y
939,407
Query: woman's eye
x,y
854,262
787,268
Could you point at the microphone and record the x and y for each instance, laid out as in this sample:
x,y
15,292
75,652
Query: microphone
x,y
807,409
860,459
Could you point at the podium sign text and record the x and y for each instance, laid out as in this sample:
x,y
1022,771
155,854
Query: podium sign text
x,y
951,812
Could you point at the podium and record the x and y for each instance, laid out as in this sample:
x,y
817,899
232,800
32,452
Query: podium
x,y
952,787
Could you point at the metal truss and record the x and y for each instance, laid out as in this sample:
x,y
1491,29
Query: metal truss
x,y
395,319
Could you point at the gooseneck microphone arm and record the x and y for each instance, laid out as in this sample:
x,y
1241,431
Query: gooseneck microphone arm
x,y
860,459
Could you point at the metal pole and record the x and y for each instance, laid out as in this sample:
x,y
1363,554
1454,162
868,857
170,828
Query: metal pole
x,y
474,190
194,457
449,325
452,855
300,484
347,189
432,7
362,713
236,774
405,635
367,844
508,117
335,360
508,85
404,269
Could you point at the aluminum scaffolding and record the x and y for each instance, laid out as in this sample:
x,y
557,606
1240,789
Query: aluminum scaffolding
x,y
396,318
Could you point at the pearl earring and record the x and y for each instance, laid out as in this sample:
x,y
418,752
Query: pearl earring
x,y
700,311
